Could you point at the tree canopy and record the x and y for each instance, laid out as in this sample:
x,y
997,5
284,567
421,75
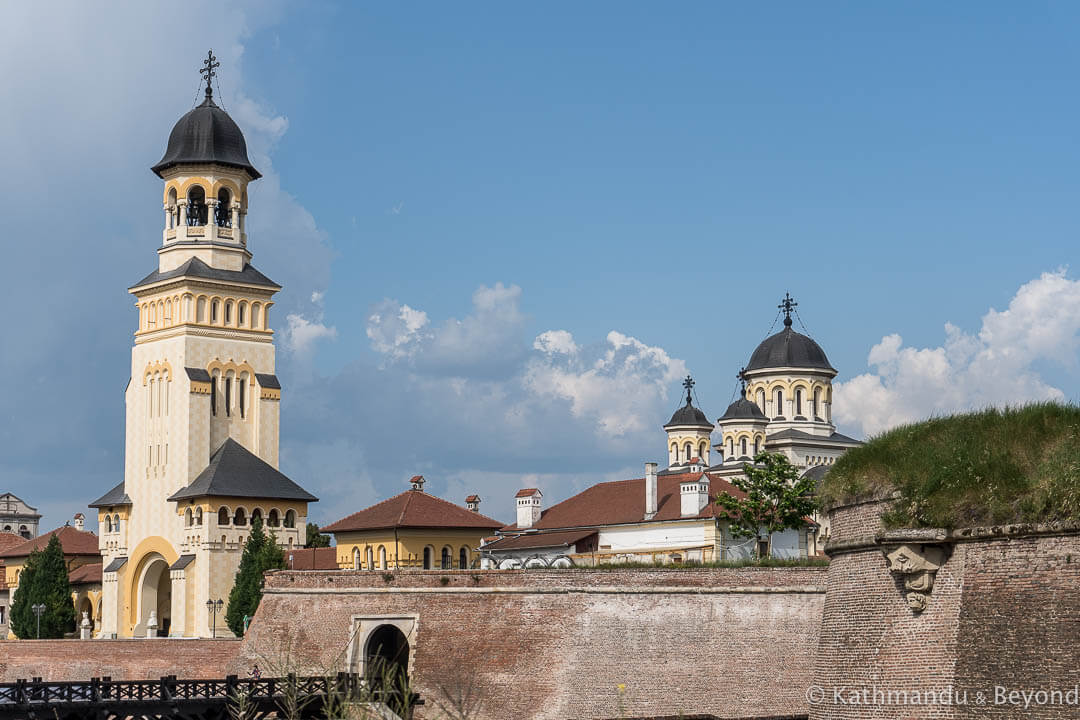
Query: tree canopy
x,y
44,580
261,553
316,539
777,498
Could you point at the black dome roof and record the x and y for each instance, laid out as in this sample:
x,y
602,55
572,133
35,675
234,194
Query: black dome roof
x,y
743,408
788,348
206,135
689,415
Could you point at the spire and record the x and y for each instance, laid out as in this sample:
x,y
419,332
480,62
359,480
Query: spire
x,y
688,383
788,304
207,71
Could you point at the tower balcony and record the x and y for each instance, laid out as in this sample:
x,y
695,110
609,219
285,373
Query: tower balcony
x,y
210,221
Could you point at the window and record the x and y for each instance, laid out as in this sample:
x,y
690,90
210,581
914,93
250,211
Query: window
x,y
427,558
742,446
731,447
228,396
228,312
214,310
213,395
703,450
688,450
240,394
256,514
369,559
240,313
196,210
463,559
290,519
779,403
798,401
272,519
108,525
223,516
188,518
3,616
761,399
446,564
198,516
356,558
239,517
757,446
382,558
255,315
675,451
115,523
223,216
814,403
200,310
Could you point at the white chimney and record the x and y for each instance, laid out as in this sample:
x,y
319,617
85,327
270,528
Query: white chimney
x,y
650,490
79,518
694,495
528,507
473,503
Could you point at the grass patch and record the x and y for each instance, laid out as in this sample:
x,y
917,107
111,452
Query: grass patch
x,y
1016,465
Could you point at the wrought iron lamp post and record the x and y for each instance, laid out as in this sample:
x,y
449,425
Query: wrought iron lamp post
x,y
39,610
214,607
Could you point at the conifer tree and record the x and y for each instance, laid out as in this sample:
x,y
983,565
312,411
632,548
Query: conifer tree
x,y
44,580
260,554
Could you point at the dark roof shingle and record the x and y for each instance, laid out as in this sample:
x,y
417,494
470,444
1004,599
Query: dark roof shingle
x,y
237,472
196,268
116,496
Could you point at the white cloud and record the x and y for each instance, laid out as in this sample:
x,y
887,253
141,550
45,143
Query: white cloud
x,y
396,330
996,366
556,341
301,333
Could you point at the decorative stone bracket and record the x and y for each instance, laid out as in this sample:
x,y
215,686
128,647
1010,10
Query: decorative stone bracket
x,y
917,562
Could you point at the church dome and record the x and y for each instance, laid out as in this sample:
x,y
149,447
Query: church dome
x,y
688,415
206,135
743,409
788,348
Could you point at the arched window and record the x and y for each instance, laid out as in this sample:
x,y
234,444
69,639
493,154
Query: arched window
x,y
447,563
198,516
742,446
369,559
168,313
223,215
115,523
213,394
223,516
382,557
731,447
427,558
814,404
675,451
356,558
290,518
779,403
240,384
757,446
172,208
703,450
463,559
239,517
798,401
228,311
214,305
688,449
196,210
761,399
241,312
108,525
272,519
255,307
200,310
228,395
256,514
188,518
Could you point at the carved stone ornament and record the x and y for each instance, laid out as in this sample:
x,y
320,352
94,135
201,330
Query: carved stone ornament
x,y
917,564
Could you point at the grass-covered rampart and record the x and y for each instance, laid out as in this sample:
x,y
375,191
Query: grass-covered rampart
x,y
1017,465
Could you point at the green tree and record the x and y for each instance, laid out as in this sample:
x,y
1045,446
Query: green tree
x,y
261,553
44,580
315,538
777,498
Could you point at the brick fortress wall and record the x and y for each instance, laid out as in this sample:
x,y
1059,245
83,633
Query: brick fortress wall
x,y
1004,611
735,643
57,660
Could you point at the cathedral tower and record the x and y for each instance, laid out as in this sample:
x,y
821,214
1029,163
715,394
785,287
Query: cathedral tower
x,y
201,450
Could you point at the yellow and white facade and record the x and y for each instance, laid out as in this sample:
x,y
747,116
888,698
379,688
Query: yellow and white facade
x,y
202,417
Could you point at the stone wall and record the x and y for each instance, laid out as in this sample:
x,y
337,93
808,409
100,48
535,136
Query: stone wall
x,y
119,659
732,643
1003,617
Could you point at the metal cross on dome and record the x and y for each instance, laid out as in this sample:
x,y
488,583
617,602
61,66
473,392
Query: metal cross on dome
x,y
788,304
207,70
688,383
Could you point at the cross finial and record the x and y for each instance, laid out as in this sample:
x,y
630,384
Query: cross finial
x,y
207,71
688,383
787,305
742,379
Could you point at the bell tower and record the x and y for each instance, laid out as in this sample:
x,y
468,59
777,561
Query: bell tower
x,y
201,448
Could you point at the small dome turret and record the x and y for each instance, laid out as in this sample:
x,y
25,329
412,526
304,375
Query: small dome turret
x,y
743,409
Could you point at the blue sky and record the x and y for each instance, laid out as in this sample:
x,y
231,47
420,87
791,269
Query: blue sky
x,y
505,231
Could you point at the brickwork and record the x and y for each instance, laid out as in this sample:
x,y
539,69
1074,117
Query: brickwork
x,y
1004,611
564,644
118,659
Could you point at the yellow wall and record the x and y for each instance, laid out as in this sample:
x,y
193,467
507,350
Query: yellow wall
x,y
407,548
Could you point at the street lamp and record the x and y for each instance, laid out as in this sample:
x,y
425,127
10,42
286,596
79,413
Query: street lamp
x,y
214,607
39,610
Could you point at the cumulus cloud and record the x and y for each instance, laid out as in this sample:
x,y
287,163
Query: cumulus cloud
x,y
396,329
996,366
556,341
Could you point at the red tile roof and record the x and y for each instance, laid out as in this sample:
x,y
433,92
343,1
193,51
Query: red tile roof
x,y
312,558
527,492
73,542
86,574
473,498
623,501
413,509
525,541
10,540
